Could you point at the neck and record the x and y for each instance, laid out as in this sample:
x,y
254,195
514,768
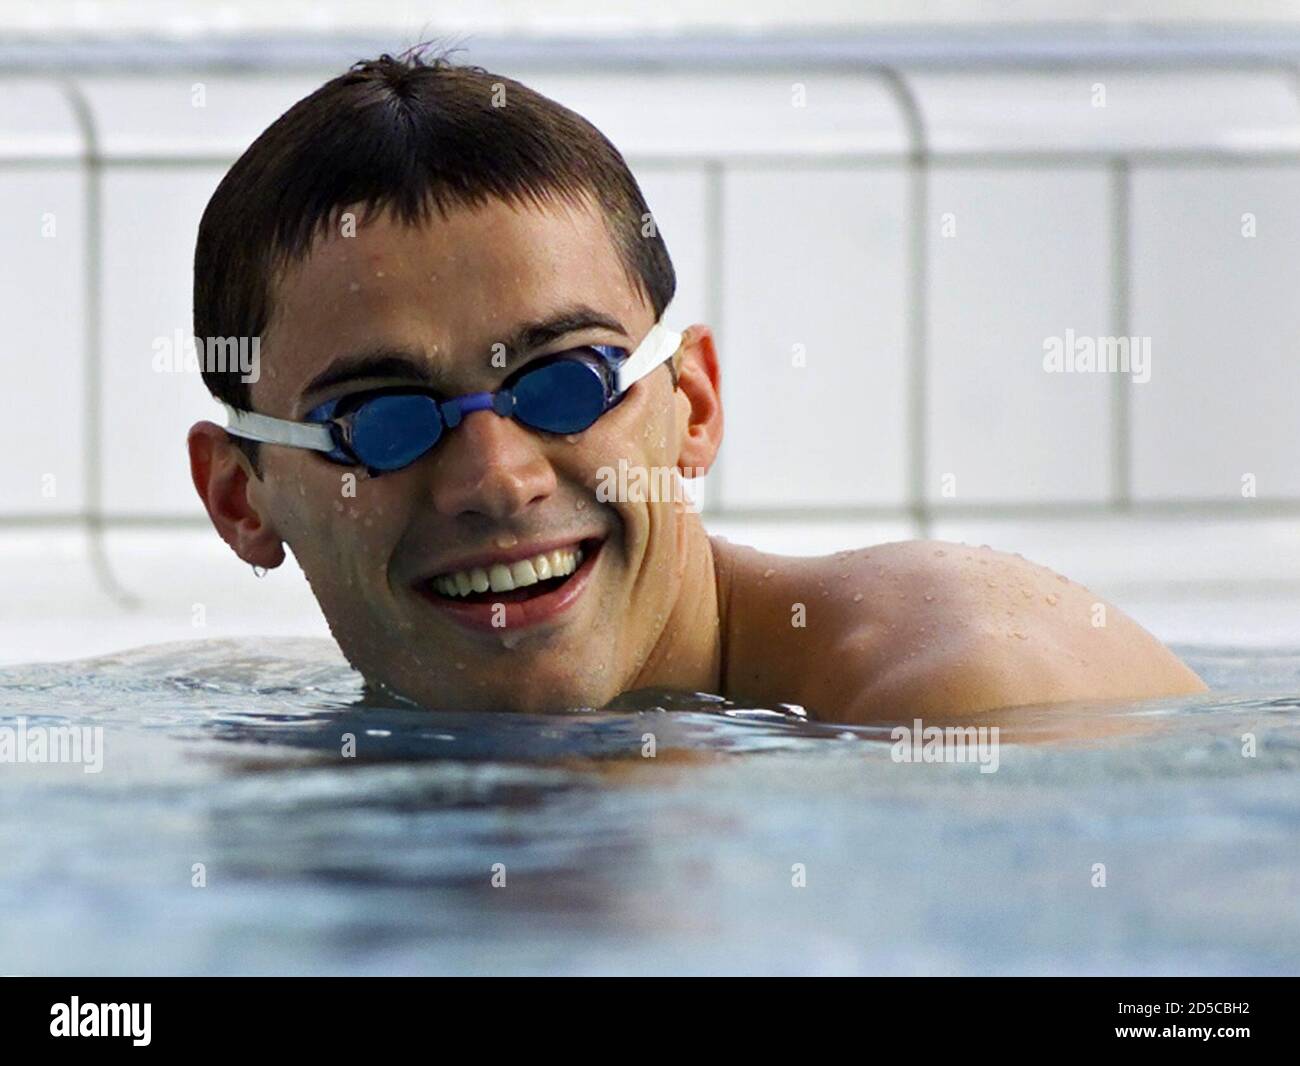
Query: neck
x,y
690,653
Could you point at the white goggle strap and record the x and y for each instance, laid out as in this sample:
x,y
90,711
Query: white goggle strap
x,y
659,345
268,430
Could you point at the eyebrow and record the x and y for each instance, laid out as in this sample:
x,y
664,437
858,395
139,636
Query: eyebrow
x,y
385,361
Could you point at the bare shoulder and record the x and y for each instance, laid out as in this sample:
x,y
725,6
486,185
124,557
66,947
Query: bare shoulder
x,y
942,627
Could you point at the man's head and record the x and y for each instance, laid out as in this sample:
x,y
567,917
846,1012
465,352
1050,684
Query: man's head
x,y
411,219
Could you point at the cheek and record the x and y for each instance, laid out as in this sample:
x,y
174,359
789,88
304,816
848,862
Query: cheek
x,y
638,435
640,430
331,515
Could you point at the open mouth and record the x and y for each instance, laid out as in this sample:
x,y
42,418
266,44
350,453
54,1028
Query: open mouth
x,y
520,581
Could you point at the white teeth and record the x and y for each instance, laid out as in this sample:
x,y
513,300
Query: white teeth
x,y
522,574
500,577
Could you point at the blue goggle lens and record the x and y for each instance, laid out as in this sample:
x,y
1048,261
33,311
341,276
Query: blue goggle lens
x,y
390,432
566,396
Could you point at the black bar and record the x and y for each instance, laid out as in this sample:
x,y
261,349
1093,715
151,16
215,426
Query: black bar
x,y
337,1015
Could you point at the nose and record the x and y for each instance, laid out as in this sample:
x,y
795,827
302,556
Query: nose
x,y
490,465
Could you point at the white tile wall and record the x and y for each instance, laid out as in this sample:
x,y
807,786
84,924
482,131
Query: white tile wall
x,y
1092,109
206,114
42,433
1223,314
1015,257
37,121
813,337
151,216
723,116
42,354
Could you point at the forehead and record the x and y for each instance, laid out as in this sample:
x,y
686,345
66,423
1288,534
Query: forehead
x,y
452,286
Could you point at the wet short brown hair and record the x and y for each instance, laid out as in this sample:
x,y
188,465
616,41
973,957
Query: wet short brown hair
x,y
409,135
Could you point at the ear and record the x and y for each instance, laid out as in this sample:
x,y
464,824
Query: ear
x,y
699,401
223,479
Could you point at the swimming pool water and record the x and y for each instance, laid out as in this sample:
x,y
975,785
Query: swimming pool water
x,y
228,754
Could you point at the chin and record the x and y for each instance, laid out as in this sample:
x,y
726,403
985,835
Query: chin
x,y
539,697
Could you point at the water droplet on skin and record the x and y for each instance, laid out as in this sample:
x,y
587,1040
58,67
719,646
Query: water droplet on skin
x,y
1019,635
379,273
571,438
1053,599
511,641
991,584
769,572
507,540
580,505
929,598
857,598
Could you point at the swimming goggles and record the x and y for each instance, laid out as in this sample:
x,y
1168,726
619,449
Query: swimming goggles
x,y
386,429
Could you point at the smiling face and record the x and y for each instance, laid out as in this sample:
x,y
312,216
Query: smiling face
x,y
380,552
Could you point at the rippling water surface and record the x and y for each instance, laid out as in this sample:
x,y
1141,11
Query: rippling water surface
x,y
229,754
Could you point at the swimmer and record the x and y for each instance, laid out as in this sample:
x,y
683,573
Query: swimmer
x,y
463,310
